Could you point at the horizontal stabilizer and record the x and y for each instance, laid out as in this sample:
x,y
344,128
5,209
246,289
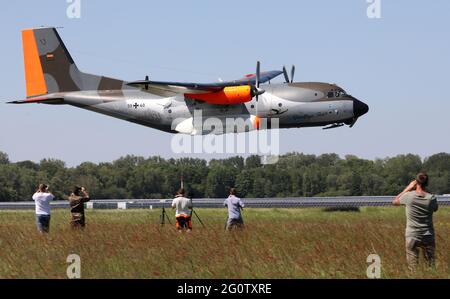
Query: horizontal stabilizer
x,y
40,100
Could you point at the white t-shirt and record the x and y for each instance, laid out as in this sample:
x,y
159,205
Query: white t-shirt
x,y
183,205
42,200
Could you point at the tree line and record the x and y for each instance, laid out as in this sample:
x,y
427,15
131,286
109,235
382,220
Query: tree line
x,y
295,174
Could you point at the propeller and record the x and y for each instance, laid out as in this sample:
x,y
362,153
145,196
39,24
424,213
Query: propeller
x,y
285,73
258,78
258,73
256,91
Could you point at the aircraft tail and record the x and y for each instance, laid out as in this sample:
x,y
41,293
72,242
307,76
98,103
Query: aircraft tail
x,y
49,67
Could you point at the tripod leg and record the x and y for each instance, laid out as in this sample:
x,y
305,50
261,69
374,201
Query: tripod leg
x,y
195,213
168,218
162,217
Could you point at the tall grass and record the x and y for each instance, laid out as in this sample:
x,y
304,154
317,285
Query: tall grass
x,y
276,243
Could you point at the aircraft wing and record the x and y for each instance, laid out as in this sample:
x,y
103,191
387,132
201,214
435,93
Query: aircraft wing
x,y
199,88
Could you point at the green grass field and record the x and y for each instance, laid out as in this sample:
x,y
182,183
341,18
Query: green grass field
x,y
277,243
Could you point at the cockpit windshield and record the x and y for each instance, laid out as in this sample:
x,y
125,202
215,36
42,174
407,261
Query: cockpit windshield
x,y
336,94
341,93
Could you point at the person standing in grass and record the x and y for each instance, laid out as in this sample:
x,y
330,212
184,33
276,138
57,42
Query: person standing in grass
x,y
235,205
76,200
183,212
420,206
42,199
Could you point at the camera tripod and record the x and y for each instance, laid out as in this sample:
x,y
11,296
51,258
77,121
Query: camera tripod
x,y
163,216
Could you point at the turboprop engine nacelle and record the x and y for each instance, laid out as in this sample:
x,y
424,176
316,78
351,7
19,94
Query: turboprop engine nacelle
x,y
227,96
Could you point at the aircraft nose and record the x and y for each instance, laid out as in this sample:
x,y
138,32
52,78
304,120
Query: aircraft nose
x,y
359,108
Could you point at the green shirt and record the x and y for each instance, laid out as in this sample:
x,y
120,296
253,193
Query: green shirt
x,y
419,213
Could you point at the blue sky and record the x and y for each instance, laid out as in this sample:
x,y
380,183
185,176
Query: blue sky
x,y
398,64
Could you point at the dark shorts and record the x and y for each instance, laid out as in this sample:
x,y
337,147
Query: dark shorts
x,y
234,223
184,222
43,223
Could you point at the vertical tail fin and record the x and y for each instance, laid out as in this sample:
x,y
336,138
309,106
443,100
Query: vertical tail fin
x,y
49,67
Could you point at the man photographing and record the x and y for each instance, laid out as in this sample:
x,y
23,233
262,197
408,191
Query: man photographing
x,y
76,200
420,206
234,205
183,208
42,199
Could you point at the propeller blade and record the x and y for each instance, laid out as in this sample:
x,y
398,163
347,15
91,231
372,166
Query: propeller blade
x,y
292,73
286,77
258,73
256,91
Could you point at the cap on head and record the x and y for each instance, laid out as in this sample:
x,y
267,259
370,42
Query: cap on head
x,y
422,179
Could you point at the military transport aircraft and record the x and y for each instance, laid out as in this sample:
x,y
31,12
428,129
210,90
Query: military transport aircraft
x,y
53,78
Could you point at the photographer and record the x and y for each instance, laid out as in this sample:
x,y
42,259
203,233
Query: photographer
x,y
235,205
420,206
183,208
76,200
42,199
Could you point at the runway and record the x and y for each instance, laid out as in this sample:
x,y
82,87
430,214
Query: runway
x,y
290,202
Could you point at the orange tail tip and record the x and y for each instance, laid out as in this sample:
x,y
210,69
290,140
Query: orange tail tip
x,y
34,76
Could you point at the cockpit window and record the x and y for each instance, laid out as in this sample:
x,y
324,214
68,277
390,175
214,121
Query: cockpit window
x,y
336,94
341,93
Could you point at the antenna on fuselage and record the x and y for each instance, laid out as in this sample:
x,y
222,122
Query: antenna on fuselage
x,y
146,82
